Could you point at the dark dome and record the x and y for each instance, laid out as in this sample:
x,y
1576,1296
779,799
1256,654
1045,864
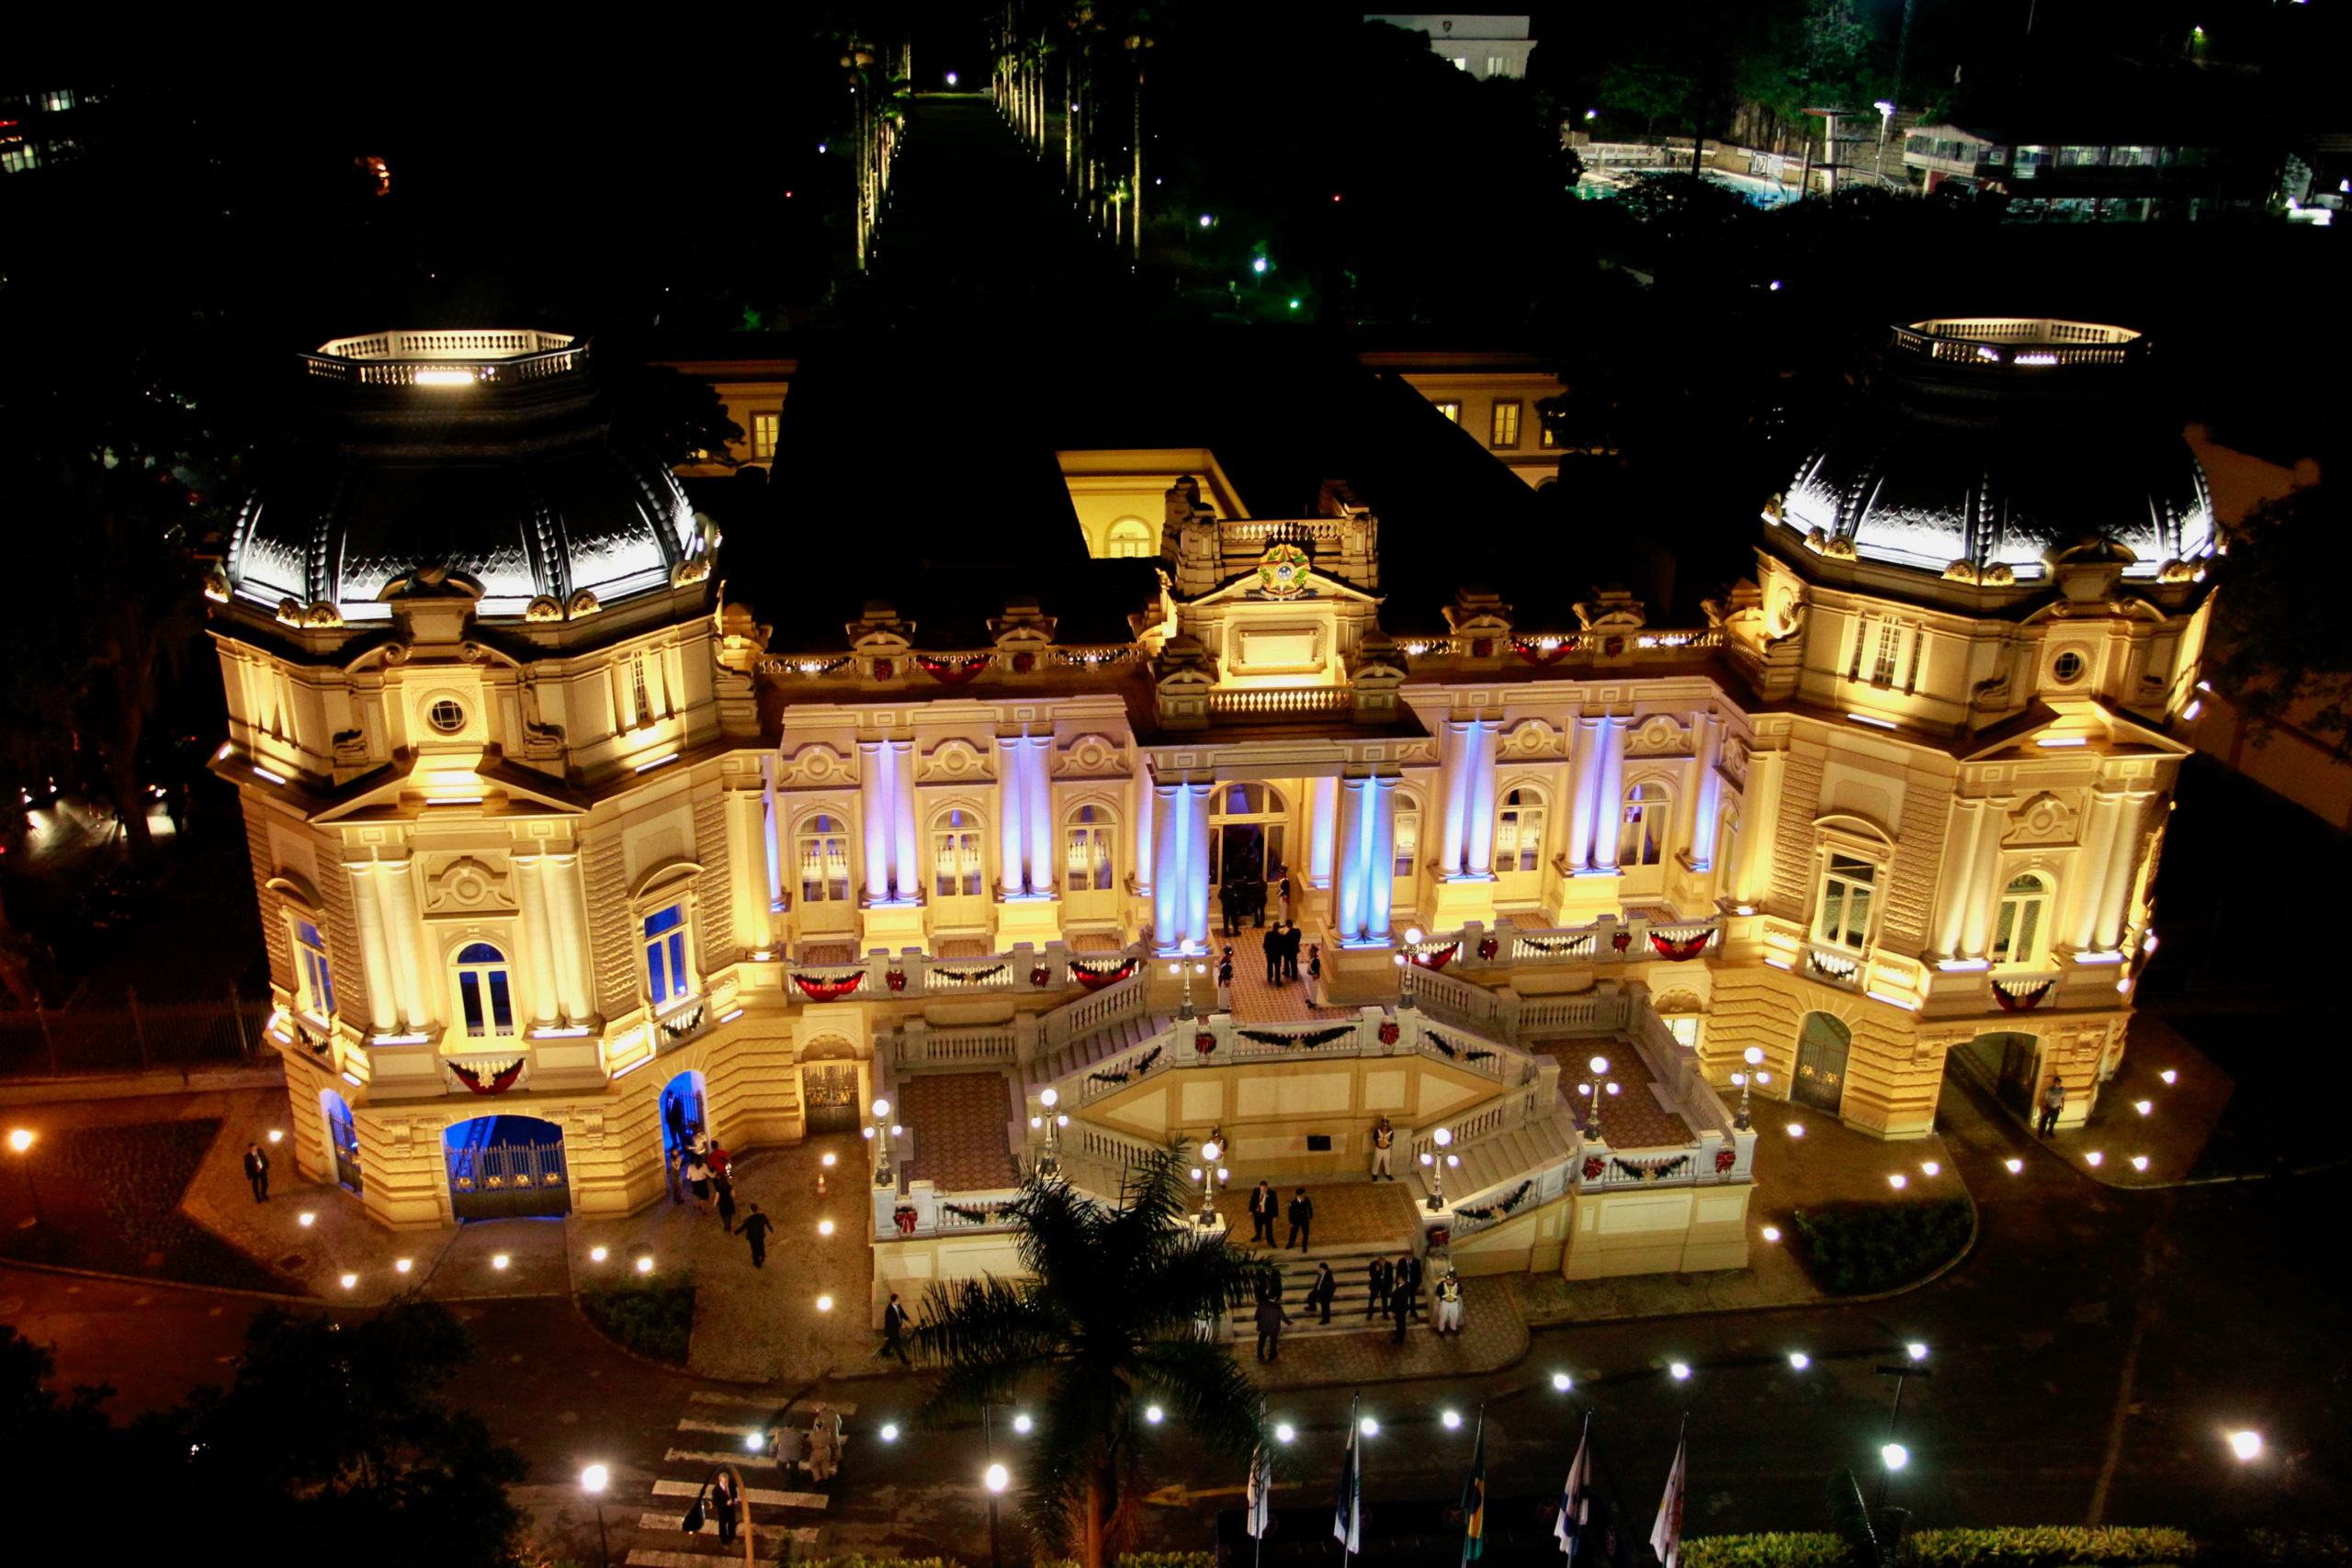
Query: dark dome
x,y
491,455
1993,443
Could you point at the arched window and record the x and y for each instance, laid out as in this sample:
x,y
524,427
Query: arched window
x,y
667,974
1518,831
1093,839
1641,840
313,982
823,851
2025,915
485,992
955,854
1128,537
1406,835
1846,888
1247,800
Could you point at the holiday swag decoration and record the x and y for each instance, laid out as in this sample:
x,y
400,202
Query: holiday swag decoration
x,y
1320,1037
1503,1207
1680,948
498,1082
817,988
953,671
1542,650
2022,999
1094,978
1650,1169
971,976
1438,958
1134,1070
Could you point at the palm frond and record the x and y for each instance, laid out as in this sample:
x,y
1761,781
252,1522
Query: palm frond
x,y
1215,1400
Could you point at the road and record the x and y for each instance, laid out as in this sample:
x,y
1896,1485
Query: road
x,y
2086,1359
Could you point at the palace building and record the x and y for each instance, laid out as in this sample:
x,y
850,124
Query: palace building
x,y
582,816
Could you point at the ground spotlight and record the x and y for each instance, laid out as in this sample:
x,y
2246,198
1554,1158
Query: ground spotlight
x,y
1680,1370
499,1260
889,1431
824,1304
1562,1381
1796,1129
598,1254
2014,1166
2247,1445
1453,1419
349,1280
402,1265
645,1264
1772,1233
1798,1360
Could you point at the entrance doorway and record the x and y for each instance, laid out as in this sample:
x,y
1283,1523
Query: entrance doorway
x,y
1823,1043
343,1138
1248,824
828,1086
684,1110
507,1168
2014,1059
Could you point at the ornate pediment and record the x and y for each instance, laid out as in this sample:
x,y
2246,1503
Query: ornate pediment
x,y
1533,738
814,766
1092,756
463,885
1660,735
2045,818
954,760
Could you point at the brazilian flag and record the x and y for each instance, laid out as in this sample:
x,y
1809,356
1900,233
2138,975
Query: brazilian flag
x,y
1474,1499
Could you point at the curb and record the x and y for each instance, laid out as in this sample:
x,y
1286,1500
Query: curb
x,y
7,1263
674,1368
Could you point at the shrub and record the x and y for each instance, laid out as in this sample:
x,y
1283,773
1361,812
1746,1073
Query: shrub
x,y
2037,1546
653,1317
1859,1249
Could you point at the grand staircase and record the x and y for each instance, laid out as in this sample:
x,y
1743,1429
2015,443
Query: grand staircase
x,y
1507,1155
1083,1052
1348,1261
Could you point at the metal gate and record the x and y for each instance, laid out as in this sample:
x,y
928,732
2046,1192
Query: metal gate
x,y
1822,1048
829,1096
508,1182
2018,1056
345,1138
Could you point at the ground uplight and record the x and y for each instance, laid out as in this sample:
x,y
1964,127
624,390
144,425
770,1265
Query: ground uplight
x,y
1796,1129
1453,1419
499,1260
1562,1381
1772,1233
1798,1360
1680,1371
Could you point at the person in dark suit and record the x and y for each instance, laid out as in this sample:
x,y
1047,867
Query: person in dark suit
x,y
726,1498
1319,1293
756,1228
1228,901
1380,1276
1258,902
1271,1318
1264,1207
258,1172
1302,1220
1400,1309
1273,948
894,1331
1409,1281
1292,937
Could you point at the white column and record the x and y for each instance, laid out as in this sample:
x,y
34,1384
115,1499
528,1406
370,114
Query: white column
x,y
542,992
1481,741
773,844
1959,876
1976,908
2122,866
2092,868
1453,839
1380,883
1584,767
1706,794
375,962
560,880
401,934
1038,795
874,801
1168,866
1609,791
1323,833
906,862
1196,862
1348,872
1010,779
1143,810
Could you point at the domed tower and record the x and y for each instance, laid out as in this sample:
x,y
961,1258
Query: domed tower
x,y
484,721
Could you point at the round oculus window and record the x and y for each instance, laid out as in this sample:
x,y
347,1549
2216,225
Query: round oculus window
x,y
446,716
2067,668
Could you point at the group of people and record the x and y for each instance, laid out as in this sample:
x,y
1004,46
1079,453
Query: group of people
x,y
1240,899
1266,1207
819,1452
700,1166
1393,1292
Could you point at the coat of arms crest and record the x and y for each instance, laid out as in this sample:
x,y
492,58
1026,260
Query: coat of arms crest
x,y
1282,572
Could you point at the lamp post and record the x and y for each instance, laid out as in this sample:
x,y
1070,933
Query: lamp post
x,y
1599,1065
1894,1455
1752,1055
881,1134
1211,1152
1187,970
1049,1098
1443,1138
20,1140
997,1479
1403,959
591,1481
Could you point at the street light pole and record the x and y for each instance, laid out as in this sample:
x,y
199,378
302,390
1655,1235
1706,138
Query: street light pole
x,y
21,1141
1211,1152
591,1481
882,1175
1892,1455
995,1479
1752,1055
1443,1138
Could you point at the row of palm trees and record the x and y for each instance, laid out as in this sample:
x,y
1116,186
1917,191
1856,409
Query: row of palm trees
x,y
1104,1323
880,83
1088,61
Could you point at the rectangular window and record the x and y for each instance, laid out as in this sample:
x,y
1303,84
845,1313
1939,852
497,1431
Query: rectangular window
x,y
764,432
665,954
1504,430
956,853
1451,409
1497,65
1890,639
1089,858
1846,888
317,981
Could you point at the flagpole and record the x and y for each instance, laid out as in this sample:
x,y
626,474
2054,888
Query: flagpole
x,y
1479,1476
1355,1499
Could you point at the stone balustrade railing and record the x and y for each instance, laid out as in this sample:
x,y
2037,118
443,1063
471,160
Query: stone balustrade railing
x,y
1543,649
911,974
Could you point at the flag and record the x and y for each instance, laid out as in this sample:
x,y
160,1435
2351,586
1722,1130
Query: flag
x,y
1666,1536
1347,1517
1474,1499
1262,1492
1576,1496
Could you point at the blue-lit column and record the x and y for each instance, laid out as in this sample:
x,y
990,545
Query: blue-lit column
x,y
1012,751
1380,878
1167,868
1583,774
1609,807
1142,810
1480,758
906,867
874,802
1038,796
1323,833
1454,841
1706,794
1350,873
1196,865
773,834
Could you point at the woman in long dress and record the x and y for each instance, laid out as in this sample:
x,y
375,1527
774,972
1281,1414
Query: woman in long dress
x,y
824,1445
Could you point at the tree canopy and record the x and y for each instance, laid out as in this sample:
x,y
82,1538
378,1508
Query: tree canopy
x,y
2279,650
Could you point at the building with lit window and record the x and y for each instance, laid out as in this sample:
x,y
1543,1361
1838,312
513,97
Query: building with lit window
x,y
577,827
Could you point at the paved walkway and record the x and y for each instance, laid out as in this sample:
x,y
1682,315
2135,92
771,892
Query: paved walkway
x,y
1255,1002
2152,1119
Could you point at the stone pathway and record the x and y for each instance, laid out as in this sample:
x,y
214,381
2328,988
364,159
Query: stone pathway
x,y
1346,1214
1254,1001
1632,1119
958,1122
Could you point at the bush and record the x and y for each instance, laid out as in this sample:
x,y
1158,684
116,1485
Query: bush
x,y
1859,1249
653,1317
2039,1546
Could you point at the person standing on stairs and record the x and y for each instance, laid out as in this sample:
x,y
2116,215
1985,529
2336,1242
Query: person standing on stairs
x,y
1319,1293
1302,1221
1380,1278
1384,1150
1271,1318
1224,980
1264,1207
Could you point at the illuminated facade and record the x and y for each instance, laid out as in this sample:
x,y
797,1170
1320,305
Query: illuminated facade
x,y
550,824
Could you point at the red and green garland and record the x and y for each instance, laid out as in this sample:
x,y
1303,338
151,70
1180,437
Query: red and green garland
x,y
499,1082
1439,958
1680,948
1094,979
819,989
953,671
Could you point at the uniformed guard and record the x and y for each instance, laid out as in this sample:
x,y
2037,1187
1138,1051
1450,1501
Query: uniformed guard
x,y
1383,1145
1448,1303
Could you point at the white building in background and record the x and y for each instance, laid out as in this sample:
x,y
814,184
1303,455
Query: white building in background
x,y
1485,46
562,848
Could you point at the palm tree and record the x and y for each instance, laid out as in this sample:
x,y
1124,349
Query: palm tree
x,y
1105,1317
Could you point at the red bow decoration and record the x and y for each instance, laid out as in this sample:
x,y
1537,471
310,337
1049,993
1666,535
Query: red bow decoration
x,y
952,671
1593,1167
500,1082
1040,974
1094,979
1388,1033
1488,946
826,990
895,978
1681,948
884,668
1527,648
1439,958
1725,1157
1203,1042
1620,940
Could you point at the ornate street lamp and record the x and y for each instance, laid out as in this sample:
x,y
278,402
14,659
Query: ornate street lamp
x,y
1443,1138
1599,1065
1211,1152
1752,1056
1403,958
880,1133
592,1481
1187,970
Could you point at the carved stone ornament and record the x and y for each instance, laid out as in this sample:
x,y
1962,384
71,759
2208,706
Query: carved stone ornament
x,y
1281,571
1093,756
464,884
1533,738
1658,735
953,759
2043,820
815,764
